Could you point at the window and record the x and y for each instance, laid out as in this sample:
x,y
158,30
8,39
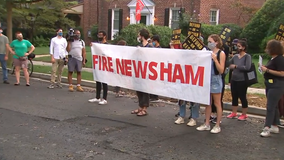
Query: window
x,y
115,20
174,18
214,16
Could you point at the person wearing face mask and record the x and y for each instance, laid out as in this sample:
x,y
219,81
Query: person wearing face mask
x,y
218,65
4,52
240,63
76,59
19,49
58,53
143,98
101,39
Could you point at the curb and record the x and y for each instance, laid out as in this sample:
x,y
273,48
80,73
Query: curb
x,y
92,84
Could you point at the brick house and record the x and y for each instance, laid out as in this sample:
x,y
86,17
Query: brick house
x,y
113,15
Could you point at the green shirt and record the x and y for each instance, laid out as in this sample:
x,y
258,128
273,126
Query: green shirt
x,y
3,41
20,47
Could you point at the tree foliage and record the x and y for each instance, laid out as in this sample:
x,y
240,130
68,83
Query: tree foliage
x,y
264,23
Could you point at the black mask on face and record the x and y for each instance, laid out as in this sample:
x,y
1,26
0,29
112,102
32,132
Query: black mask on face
x,y
100,38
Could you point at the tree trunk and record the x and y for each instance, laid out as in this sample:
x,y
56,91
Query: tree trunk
x,y
9,27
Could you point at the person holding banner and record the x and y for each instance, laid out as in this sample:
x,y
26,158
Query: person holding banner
x,y
143,98
274,83
240,63
218,65
102,39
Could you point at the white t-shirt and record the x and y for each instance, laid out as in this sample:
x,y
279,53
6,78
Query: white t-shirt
x,y
58,47
76,49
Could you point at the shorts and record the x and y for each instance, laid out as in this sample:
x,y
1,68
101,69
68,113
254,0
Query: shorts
x,y
216,84
74,65
20,63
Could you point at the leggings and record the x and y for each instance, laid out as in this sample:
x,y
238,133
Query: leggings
x,y
239,90
99,88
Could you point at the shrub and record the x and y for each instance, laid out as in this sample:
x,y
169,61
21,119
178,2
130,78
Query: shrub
x,y
258,27
40,41
81,31
129,34
264,42
94,32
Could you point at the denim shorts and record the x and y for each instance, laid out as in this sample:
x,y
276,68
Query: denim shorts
x,y
216,84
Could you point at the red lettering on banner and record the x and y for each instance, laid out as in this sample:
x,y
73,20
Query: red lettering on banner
x,y
151,68
198,77
100,63
178,74
166,70
95,61
120,66
105,64
127,67
140,69
109,60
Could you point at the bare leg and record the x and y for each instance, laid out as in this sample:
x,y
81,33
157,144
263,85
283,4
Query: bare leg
x,y
17,74
79,77
27,76
70,77
217,102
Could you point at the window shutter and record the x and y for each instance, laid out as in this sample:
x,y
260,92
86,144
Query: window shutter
x,y
109,24
120,19
167,17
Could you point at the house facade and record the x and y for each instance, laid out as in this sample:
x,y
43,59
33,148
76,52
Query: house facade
x,y
112,15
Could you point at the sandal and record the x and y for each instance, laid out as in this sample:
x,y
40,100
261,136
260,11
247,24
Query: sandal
x,y
142,113
17,84
136,111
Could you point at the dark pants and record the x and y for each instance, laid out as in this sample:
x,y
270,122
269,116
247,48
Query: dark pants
x,y
239,90
214,109
274,92
99,88
143,99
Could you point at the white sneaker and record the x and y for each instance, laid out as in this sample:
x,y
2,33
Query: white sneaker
x,y
265,132
203,127
216,129
191,122
103,101
180,120
94,100
274,129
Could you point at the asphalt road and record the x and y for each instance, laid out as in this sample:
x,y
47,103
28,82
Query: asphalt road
x,y
37,123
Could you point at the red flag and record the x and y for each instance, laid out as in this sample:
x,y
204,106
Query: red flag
x,y
139,7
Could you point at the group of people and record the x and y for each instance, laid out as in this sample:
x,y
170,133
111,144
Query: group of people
x,y
72,52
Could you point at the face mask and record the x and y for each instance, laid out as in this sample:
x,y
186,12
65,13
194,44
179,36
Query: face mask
x,y
139,39
240,49
77,36
60,34
154,43
100,38
211,45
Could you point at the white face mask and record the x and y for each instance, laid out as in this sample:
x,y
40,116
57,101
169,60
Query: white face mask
x,y
139,39
211,45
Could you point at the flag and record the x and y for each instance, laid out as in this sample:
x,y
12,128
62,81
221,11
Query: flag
x,y
139,7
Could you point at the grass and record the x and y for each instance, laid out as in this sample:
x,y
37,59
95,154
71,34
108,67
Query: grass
x,y
45,50
47,70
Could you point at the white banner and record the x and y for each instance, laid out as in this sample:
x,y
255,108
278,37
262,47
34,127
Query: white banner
x,y
174,73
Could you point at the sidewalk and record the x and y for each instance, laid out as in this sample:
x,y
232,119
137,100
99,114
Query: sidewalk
x,y
250,90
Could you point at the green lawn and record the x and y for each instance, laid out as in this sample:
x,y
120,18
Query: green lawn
x,y
47,70
45,50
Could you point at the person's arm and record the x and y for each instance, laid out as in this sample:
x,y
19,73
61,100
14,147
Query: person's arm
x,y
247,64
31,47
11,48
51,47
68,48
280,67
84,53
220,65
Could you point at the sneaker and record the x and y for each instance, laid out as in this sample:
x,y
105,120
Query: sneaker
x,y
103,101
51,86
214,120
216,129
243,117
70,88
280,125
274,129
265,132
180,120
232,115
6,82
203,127
59,86
191,122
94,100
80,89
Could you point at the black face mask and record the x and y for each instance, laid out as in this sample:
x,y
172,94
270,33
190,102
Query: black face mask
x,y
100,38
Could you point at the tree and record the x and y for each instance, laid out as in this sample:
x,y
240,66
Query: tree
x,y
258,28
